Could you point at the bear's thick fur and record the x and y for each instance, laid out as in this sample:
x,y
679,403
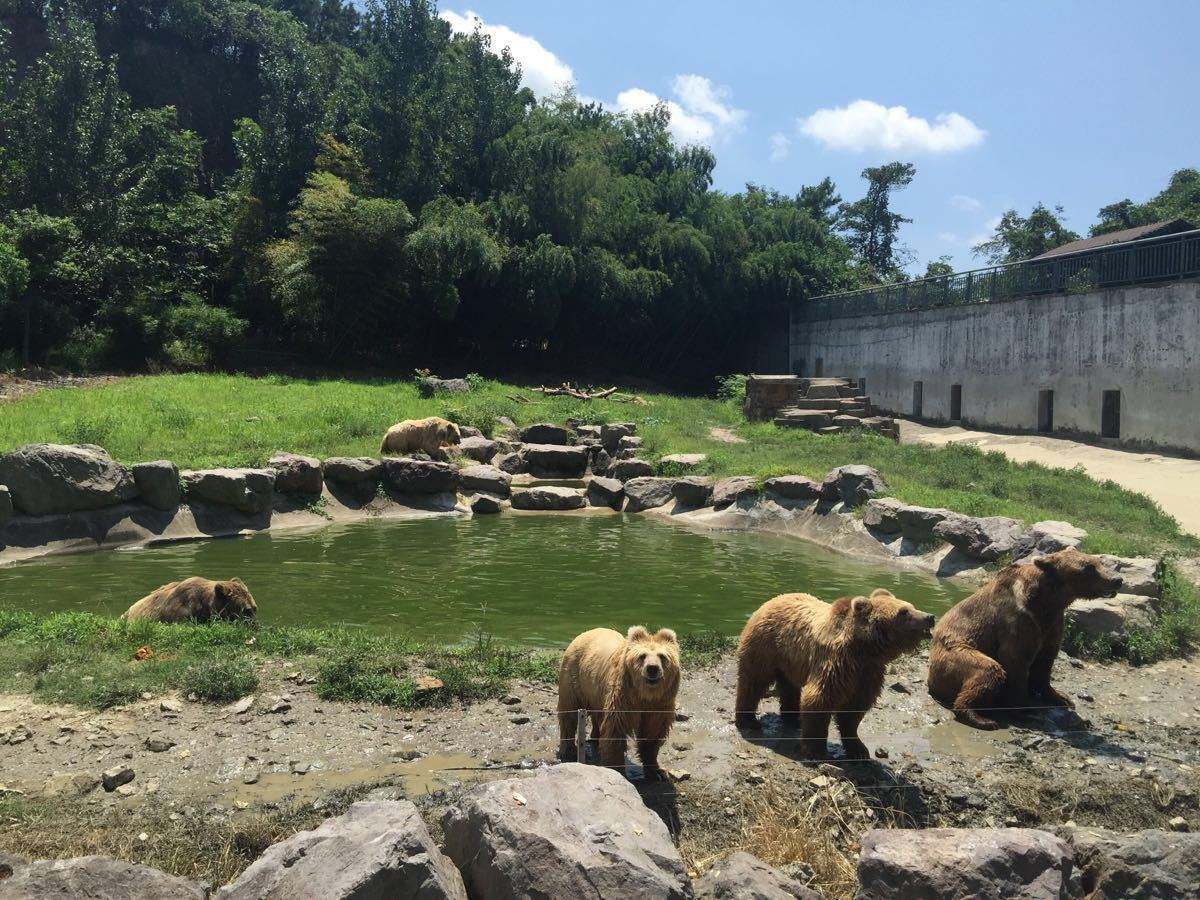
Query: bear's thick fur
x,y
996,648
827,660
421,436
195,600
628,684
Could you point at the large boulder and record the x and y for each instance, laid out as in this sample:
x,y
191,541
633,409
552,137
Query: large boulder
x,y
600,460
647,493
46,479
629,442
96,877
741,876
295,474
917,523
981,863
407,475
555,460
375,850
569,831
793,487
512,463
611,434
624,469
728,491
431,384
478,448
1145,865
545,433
1138,574
1112,618
485,504
693,490
353,469
247,490
1047,537
485,478
605,492
6,505
983,537
157,483
678,463
853,485
547,498
883,515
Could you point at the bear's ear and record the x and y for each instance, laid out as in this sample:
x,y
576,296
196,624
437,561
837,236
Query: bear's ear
x,y
667,635
637,633
1045,563
882,592
860,606
220,597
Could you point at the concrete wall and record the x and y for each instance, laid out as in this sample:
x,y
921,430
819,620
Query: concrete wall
x,y
1142,340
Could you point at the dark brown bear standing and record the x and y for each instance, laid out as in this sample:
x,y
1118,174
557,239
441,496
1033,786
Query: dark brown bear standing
x,y
995,649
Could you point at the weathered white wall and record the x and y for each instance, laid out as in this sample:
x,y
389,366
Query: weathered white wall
x,y
1141,340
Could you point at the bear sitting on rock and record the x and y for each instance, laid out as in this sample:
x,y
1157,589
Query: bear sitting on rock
x,y
429,436
195,600
628,684
995,649
827,660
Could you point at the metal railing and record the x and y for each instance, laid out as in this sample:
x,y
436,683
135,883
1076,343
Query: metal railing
x,y
1151,259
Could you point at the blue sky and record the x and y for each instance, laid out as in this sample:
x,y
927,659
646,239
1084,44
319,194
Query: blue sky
x,y
998,105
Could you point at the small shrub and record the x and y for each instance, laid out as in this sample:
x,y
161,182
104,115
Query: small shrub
x,y
219,680
86,350
732,388
475,381
352,677
480,413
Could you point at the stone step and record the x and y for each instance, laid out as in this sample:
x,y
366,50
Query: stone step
x,y
830,429
806,403
800,418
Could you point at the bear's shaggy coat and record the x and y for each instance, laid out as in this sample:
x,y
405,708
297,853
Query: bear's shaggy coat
x,y
195,600
628,684
421,436
995,649
827,660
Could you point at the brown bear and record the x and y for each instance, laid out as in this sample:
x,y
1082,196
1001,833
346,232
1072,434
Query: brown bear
x,y
628,684
421,436
195,600
996,648
827,660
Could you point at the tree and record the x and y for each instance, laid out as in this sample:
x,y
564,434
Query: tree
x,y
871,225
1180,199
1017,237
939,268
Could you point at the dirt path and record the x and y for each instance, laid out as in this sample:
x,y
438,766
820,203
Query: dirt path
x,y
14,387
1171,481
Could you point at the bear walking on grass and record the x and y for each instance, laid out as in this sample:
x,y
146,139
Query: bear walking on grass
x,y
195,600
827,660
421,436
628,684
996,648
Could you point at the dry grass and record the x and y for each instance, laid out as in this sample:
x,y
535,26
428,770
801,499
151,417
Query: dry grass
x,y
1124,805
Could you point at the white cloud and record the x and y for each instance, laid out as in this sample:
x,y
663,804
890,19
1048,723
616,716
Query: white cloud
x,y
541,71
965,203
866,125
781,146
702,98
700,115
685,127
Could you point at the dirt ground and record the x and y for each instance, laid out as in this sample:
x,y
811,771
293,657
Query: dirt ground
x,y
1173,482
15,386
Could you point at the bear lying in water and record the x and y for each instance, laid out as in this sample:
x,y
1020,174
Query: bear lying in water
x,y
195,600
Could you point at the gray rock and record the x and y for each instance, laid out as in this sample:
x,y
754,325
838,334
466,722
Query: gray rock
x,y
629,442
1146,865
1112,618
512,463
728,491
248,490
480,449
693,490
600,461
555,460
982,863
605,492
647,493
430,385
96,877
624,469
157,483
883,514
116,776
1138,574
611,434
295,474
485,478
918,522
486,504
1047,537
466,431
353,469
6,505
67,784
419,476
793,487
586,431
545,433
741,876
547,497
982,537
569,831
853,485
682,462
46,479
375,850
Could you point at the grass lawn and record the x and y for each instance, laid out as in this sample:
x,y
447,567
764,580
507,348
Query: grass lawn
x,y
209,420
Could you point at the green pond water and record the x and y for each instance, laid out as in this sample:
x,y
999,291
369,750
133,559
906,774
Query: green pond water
x,y
532,579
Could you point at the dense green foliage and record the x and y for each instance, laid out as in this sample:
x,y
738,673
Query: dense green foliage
x,y
1020,237
1180,199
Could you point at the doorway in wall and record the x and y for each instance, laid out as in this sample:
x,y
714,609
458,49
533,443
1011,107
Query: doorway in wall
x,y
1046,411
955,402
1110,415
820,369
798,367
918,399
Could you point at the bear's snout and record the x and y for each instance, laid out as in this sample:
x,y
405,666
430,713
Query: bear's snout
x,y
928,622
652,672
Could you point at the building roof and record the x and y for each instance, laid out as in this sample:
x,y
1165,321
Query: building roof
x,y
1138,232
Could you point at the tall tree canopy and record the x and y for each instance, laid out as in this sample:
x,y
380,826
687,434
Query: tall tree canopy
x,y
1020,237
871,224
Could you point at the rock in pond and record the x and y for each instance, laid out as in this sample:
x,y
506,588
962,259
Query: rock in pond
x,y
570,830
547,498
728,491
6,505
488,479
624,469
611,434
793,487
546,433
682,462
158,483
48,479
1047,537
605,492
247,490
353,469
478,448
486,504
982,537
917,523
295,474
647,493
420,476
98,877
981,863
693,490
741,876
555,460
883,515
376,849
853,485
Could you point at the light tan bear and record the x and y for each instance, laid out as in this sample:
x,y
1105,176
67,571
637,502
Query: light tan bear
x,y
996,648
195,600
628,684
827,660
421,436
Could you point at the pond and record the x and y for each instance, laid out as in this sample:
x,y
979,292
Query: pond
x,y
536,580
